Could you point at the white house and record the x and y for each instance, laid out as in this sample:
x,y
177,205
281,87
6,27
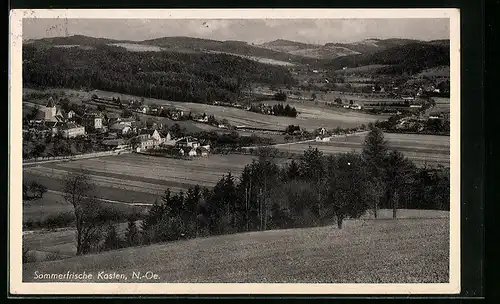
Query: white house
x,y
71,114
192,152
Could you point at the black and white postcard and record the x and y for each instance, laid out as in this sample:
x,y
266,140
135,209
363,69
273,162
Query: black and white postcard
x,y
234,151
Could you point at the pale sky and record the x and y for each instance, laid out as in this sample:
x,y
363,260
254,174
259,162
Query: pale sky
x,y
317,31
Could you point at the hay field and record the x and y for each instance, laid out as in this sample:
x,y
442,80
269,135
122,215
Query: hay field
x,y
431,149
373,251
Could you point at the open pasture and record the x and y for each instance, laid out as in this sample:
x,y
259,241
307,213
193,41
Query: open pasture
x,y
372,251
431,149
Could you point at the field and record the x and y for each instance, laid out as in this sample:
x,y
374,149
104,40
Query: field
x,y
312,116
135,178
431,149
330,118
138,47
365,69
372,251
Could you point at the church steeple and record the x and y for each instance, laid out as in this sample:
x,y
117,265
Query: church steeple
x,y
51,103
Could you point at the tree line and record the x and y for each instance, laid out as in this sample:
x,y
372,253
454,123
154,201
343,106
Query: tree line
x,y
314,190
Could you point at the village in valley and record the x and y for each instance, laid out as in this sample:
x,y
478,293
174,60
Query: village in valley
x,y
148,151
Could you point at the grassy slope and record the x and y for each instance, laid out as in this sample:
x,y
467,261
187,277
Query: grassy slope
x,y
382,251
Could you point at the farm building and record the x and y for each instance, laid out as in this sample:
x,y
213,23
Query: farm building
x,y
71,130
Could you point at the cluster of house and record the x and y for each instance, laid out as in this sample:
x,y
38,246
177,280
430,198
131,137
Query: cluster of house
x,y
186,146
51,119
418,122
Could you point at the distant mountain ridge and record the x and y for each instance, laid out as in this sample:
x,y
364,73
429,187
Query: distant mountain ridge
x,y
280,49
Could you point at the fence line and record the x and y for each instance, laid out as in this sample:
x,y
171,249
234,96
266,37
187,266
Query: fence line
x,y
73,157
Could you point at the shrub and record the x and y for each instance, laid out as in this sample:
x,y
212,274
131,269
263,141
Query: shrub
x,y
37,189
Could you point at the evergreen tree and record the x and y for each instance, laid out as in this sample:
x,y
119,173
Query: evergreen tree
x,y
112,240
374,153
154,215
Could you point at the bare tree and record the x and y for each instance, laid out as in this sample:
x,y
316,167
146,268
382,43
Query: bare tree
x,y
78,189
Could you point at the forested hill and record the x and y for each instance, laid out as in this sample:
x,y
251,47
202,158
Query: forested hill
x,y
184,43
75,40
193,77
410,58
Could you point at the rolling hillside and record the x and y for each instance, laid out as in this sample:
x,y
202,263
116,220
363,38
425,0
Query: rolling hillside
x,y
334,50
374,251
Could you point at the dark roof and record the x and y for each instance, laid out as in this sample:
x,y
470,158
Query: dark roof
x,y
146,131
50,124
94,114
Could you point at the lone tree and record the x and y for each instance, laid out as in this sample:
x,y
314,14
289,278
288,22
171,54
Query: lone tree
x,y
374,154
78,189
346,192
